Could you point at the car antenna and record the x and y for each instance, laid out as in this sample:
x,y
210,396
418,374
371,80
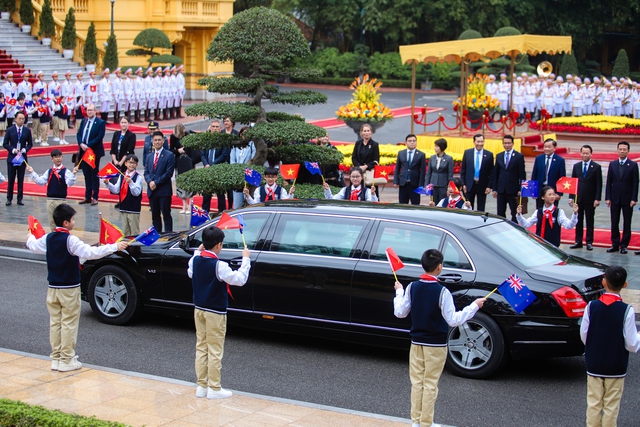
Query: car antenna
x,y
485,216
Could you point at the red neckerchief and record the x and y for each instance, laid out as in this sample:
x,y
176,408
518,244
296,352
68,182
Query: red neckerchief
x,y
355,194
452,203
61,230
209,254
270,194
428,277
124,185
547,215
54,171
609,299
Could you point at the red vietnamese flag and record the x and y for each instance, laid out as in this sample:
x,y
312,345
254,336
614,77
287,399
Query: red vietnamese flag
x,y
89,157
109,233
108,171
567,185
290,171
381,172
394,259
35,227
453,188
228,223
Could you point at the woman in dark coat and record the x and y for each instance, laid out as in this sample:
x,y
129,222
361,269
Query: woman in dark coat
x,y
439,170
123,143
366,153
184,163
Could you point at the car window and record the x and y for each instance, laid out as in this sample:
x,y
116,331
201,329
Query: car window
x,y
317,234
454,256
233,238
409,241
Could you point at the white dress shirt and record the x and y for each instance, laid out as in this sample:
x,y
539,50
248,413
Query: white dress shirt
x,y
224,273
341,196
256,194
69,176
562,218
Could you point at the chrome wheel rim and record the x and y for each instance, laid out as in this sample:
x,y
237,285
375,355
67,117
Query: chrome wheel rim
x,y
470,345
111,296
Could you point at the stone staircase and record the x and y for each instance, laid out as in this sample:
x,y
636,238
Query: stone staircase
x,y
29,52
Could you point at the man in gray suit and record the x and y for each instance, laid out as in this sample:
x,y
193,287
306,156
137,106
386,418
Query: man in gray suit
x,y
440,170
411,167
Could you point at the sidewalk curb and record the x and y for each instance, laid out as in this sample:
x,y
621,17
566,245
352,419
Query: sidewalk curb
x,y
24,254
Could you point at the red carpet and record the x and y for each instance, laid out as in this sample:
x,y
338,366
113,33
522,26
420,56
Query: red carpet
x,y
601,238
397,113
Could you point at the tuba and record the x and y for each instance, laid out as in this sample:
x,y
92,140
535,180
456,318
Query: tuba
x,y
544,69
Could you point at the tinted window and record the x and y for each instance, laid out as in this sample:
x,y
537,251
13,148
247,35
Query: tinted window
x,y
409,241
233,238
454,256
318,235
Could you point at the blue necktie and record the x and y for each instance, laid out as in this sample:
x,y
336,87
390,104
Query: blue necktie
x,y
476,174
584,171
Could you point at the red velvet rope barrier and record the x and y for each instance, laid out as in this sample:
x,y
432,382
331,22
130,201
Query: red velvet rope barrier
x,y
447,127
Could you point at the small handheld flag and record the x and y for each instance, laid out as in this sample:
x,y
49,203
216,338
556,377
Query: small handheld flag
x,y
18,159
148,236
454,189
252,177
516,293
12,102
198,216
228,222
313,168
89,157
35,227
426,191
290,171
242,226
108,171
382,171
394,260
529,188
567,185
109,233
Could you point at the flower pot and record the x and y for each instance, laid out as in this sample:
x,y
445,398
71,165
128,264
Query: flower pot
x,y
357,124
26,29
90,67
475,119
67,53
46,41
5,15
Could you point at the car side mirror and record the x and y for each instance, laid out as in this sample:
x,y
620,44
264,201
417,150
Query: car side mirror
x,y
184,243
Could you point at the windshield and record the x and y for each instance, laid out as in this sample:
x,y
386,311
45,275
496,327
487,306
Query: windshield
x,y
517,245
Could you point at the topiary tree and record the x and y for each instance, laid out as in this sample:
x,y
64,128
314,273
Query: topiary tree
x,y
569,65
69,33
507,31
90,51
111,54
621,66
470,34
148,40
26,12
8,6
245,40
165,59
47,27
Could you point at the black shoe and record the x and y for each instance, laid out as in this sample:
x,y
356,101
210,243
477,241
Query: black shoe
x,y
589,247
576,246
116,206
20,203
84,202
637,252
8,203
612,249
623,251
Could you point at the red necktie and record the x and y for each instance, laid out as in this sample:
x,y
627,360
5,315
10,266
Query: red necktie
x,y
124,187
270,194
208,254
155,161
354,195
547,216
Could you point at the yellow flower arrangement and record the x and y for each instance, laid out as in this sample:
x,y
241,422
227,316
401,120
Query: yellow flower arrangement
x,y
365,105
388,154
477,99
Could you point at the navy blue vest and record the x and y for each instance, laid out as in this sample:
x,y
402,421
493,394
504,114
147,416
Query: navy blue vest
x,y
428,327
551,235
263,193
131,203
63,267
209,293
362,196
57,188
45,118
605,354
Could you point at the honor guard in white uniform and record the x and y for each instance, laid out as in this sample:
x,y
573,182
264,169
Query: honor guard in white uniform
x,y
91,91
140,100
627,107
530,92
150,94
548,97
519,95
25,86
127,87
157,87
540,84
182,89
597,96
588,92
66,88
635,99
9,87
105,94
578,97
166,91
173,93
607,99
568,96
617,98
54,87
559,91
504,89
40,87
117,87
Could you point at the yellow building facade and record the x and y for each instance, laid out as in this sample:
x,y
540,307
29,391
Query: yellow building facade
x,y
190,26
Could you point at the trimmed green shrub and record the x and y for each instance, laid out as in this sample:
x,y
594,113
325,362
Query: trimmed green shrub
x,y
18,414
621,66
507,31
69,33
8,6
111,54
569,65
26,13
90,51
47,27
470,34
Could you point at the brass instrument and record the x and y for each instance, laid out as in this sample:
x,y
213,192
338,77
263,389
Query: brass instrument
x,y
625,100
568,92
544,69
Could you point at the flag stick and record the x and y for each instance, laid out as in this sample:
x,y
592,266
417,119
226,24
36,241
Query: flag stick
x,y
520,201
244,242
489,294
321,176
394,274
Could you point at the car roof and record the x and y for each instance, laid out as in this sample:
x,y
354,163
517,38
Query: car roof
x,y
452,217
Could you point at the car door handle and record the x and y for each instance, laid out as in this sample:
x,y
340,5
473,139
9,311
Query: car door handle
x,y
236,262
450,278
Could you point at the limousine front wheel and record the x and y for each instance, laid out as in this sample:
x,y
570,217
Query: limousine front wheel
x,y
113,295
476,348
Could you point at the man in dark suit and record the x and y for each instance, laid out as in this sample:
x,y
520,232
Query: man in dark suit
x,y
411,168
621,195
90,135
589,175
157,174
548,168
476,172
17,140
215,157
508,175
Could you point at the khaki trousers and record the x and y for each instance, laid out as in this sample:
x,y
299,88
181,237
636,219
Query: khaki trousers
x,y
64,316
210,331
44,131
56,127
51,206
603,401
130,223
425,367
35,129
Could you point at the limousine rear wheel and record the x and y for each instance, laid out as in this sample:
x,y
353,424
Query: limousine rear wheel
x,y
113,295
476,348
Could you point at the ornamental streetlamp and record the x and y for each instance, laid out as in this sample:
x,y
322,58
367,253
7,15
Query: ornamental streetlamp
x,y
112,3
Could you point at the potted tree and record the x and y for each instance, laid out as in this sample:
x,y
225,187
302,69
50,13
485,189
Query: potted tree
x,y
7,7
47,27
111,54
90,52
69,34
26,15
